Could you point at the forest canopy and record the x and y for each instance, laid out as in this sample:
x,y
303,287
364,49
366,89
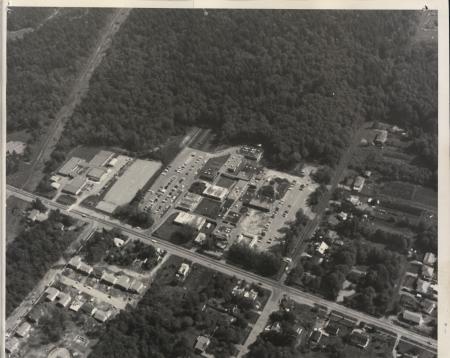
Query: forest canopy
x,y
299,86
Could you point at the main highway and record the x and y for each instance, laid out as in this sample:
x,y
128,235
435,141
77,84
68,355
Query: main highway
x,y
270,284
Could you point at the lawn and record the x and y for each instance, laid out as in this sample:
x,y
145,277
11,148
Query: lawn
x,y
397,190
425,196
168,229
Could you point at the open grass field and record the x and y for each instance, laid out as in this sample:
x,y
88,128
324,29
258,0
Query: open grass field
x,y
134,178
425,196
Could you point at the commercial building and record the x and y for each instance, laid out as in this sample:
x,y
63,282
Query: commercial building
x,y
71,167
380,138
97,174
215,192
358,184
75,186
233,163
189,202
101,158
260,205
253,153
201,344
186,219
112,162
23,330
413,317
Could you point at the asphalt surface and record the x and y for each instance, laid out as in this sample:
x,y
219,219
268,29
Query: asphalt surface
x,y
271,284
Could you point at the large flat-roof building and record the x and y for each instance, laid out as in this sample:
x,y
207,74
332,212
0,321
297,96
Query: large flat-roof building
x,y
75,186
101,158
189,202
71,167
97,174
249,152
413,317
191,220
215,192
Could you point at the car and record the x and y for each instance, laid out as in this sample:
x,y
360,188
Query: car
x,y
154,241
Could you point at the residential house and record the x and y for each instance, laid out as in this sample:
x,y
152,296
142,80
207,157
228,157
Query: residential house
x,y
359,338
429,259
51,293
427,272
102,316
183,271
201,344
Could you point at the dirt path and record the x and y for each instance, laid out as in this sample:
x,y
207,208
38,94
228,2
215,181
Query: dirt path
x,y
79,89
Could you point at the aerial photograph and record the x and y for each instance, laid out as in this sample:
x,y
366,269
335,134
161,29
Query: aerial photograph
x,y
221,183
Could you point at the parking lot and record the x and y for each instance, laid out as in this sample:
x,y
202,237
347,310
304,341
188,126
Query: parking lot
x,y
174,180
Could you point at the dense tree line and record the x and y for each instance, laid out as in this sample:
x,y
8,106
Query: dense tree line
x,y
298,86
374,290
133,215
27,17
44,62
263,263
292,233
31,254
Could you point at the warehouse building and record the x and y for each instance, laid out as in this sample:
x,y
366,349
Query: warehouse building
x,y
71,167
101,158
75,186
186,219
97,174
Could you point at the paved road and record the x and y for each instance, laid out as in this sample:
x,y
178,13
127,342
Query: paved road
x,y
78,90
324,201
270,284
